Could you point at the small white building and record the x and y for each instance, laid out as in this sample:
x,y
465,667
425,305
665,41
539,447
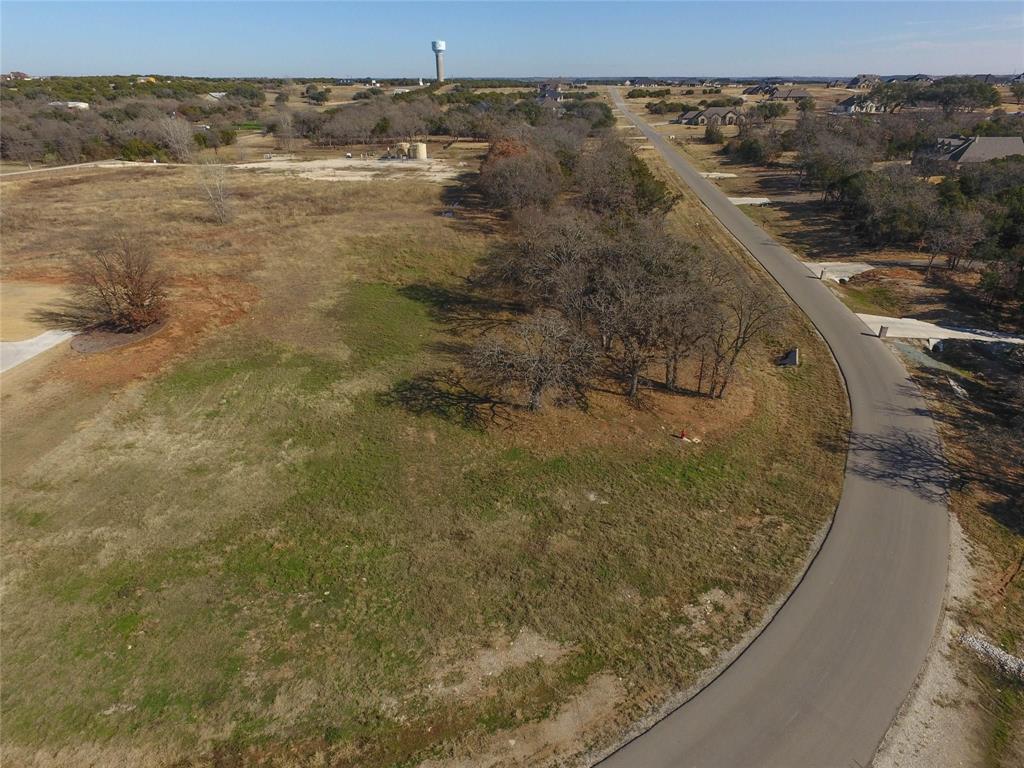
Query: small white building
x,y
70,104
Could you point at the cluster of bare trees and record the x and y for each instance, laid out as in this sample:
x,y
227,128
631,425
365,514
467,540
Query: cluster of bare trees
x,y
534,165
974,218
32,131
606,290
484,116
379,119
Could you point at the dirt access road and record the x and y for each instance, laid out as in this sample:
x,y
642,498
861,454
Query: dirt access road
x,y
822,683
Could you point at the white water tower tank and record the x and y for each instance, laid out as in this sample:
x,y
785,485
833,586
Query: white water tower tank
x,y
439,48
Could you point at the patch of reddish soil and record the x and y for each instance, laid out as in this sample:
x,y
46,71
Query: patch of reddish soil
x,y
660,419
198,307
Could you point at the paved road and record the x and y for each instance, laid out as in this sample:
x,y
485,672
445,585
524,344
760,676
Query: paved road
x,y
820,686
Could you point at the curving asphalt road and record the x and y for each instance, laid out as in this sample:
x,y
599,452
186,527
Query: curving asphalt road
x,y
821,684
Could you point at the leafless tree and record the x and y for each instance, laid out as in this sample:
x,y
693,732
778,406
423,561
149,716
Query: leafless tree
x,y
550,262
684,312
744,316
285,130
539,354
17,142
213,184
827,161
514,182
613,180
953,232
116,286
176,136
645,277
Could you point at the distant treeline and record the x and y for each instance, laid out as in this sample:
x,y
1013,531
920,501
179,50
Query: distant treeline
x,y
112,88
458,113
137,128
973,217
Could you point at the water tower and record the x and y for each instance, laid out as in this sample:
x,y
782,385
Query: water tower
x,y
438,46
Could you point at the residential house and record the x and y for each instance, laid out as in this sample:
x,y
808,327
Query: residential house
x,y
857,105
709,116
721,115
551,90
978,149
791,94
864,82
914,79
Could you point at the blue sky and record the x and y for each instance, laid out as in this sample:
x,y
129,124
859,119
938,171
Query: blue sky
x,y
511,39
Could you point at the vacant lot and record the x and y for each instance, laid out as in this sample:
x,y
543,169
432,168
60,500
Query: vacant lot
x,y
255,535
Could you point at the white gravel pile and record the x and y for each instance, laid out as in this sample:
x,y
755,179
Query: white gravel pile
x,y
995,656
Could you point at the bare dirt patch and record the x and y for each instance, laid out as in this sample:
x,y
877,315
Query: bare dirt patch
x,y
472,676
569,731
18,300
354,169
663,420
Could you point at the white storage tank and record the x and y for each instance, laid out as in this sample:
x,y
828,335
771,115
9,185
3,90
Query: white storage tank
x,y
418,151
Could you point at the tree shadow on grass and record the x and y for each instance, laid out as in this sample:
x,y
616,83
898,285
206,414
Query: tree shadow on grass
x,y
460,309
465,208
822,233
446,395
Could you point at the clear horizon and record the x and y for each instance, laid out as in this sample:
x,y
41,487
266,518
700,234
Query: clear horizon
x,y
581,39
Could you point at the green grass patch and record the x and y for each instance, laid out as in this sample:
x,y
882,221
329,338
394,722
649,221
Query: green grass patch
x,y
872,300
381,326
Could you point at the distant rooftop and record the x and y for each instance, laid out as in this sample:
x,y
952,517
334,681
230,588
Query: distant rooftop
x,y
980,149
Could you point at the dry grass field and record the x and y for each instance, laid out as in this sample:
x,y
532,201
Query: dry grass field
x,y
257,535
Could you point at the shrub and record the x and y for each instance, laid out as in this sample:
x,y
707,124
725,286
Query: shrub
x,y
521,180
749,150
116,287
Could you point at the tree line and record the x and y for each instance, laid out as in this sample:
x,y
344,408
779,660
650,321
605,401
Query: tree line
x,y
133,129
600,285
950,94
972,218
109,89
34,132
405,116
